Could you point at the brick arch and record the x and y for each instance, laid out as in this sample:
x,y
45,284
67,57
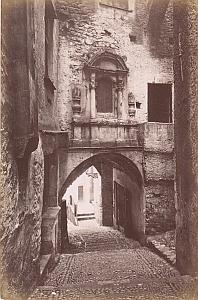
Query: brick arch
x,y
117,159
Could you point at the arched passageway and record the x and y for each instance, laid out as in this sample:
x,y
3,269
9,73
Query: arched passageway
x,y
121,204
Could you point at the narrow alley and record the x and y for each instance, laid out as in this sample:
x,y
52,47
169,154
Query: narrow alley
x,y
99,160
103,264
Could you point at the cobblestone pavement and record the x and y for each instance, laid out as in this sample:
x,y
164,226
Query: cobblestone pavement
x,y
110,266
164,244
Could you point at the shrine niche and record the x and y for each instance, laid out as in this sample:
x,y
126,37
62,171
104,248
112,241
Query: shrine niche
x,y
106,74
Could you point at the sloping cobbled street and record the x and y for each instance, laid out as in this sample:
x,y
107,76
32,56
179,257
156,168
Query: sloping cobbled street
x,y
103,264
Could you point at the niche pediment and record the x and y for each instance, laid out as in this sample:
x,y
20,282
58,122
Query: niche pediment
x,y
107,61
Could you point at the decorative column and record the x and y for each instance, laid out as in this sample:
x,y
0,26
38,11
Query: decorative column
x,y
120,87
186,133
76,97
93,96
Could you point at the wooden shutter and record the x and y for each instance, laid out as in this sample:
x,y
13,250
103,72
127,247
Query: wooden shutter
x,y
160,102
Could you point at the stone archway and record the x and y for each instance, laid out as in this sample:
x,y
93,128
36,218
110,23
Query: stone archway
x,y
115,170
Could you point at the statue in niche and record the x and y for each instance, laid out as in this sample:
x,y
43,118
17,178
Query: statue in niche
x,y
76,93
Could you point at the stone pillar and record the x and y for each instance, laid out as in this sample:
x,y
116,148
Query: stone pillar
x,y
63,232
92,96
186,133
49,228
107,194
76,99
49,231
53,181
120,87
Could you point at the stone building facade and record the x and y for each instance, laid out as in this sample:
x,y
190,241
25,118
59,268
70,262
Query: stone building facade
x,y
112,50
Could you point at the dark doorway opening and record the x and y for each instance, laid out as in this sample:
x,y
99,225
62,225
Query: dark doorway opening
x,y
160,102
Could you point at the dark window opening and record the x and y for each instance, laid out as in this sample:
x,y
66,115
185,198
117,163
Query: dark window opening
x,y
70,200
80,193
133,38
138,105
160,102
104,99
122,4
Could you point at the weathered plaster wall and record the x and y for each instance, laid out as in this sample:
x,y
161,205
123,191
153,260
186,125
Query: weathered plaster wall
x,y
21,208
22,179
86,29
186,133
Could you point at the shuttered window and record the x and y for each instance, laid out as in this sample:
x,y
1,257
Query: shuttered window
x,y
104,101
160,102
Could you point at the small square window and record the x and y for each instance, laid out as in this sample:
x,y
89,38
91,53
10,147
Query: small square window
x,y
133,38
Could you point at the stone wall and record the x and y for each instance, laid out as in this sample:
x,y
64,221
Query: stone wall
x,y
22,177
160,206
86,29
159,173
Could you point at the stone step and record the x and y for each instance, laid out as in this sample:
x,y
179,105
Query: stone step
x,y
85,214
85,217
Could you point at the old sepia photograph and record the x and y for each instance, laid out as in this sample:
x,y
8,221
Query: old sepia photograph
x,y
99,150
